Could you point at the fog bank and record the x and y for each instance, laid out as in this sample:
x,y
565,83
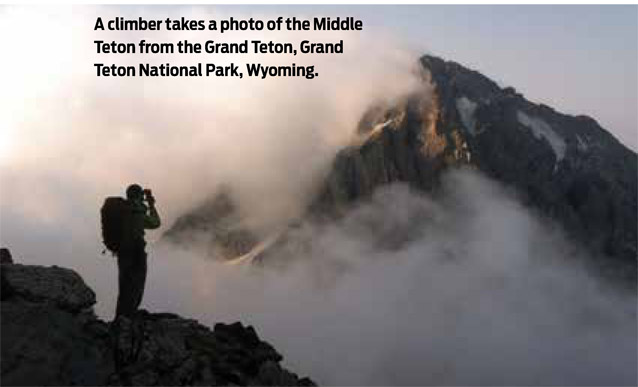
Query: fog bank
x,y
468,288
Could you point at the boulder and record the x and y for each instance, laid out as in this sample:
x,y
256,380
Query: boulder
x,y
61,287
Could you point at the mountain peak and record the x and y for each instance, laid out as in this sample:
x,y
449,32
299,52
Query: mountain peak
x,y
566,167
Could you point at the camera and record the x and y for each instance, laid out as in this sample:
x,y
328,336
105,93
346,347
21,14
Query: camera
x,y
148,196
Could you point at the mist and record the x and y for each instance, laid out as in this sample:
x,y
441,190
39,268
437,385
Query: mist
x,y
68,139
465,287
180,136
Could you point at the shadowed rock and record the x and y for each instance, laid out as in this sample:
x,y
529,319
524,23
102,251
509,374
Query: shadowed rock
x,y
50,336
63,288
5,256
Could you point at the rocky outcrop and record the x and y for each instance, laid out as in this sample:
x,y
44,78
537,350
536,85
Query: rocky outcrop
x,y
50,336
219,223
165,349
62,288
403,144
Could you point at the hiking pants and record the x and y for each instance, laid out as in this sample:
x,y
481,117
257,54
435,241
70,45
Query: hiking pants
x,y
131,265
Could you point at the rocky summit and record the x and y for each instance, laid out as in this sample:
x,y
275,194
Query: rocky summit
x,y
567,168
51,336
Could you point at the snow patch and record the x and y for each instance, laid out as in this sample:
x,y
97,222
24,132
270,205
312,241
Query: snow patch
x,y
374,132
382,125
582,144
378,127
541,129
466,108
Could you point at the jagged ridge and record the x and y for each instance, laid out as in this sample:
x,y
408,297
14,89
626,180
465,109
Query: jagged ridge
x,y
568,167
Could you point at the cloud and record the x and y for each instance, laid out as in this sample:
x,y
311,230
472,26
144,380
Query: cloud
x,y
181,136
463,288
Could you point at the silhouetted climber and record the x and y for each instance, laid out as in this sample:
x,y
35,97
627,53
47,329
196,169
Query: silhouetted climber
x,y
123,225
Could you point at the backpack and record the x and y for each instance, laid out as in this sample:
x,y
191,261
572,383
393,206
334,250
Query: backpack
x,y
116,216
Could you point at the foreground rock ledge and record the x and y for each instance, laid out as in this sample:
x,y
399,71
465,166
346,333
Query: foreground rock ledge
x,y
51,336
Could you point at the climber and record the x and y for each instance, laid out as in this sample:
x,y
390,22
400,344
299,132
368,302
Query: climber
x,y
123,225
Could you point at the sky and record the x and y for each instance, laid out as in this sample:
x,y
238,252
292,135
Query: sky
x,y
577,59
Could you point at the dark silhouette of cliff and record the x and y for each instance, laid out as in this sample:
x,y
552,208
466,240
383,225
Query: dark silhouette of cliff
x,y
50,336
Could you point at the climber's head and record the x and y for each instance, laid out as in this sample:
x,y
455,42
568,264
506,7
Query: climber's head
x,y
135,192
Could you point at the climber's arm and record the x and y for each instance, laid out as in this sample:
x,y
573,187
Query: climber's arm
x,y
152,219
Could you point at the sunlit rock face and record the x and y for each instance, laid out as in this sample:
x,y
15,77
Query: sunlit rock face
x,y
566,167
